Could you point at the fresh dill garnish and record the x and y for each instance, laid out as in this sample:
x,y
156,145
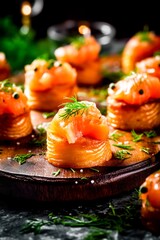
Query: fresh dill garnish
x,y
21,158
84,178
94,169
50,63
146,150
113,76
34,225
73,108
136,137
40,129
116,218
48,114
144,36
38,142
157,53
77,41
115,136
120,145
56,173
150,133
122,154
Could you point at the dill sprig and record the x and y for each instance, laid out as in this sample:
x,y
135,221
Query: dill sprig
x,y
73,108
116,219
122,154
120,145
136,137
21,158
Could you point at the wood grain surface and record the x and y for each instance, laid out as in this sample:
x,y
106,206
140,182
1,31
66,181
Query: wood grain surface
x,y
36,179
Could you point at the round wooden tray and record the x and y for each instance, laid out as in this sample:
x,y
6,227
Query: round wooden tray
x,y
36,179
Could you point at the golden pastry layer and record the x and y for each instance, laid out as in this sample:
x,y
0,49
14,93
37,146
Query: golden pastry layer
x,y
14,127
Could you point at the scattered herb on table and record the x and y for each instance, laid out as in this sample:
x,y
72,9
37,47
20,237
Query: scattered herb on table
x,y
146,150
150,133
122,154
120,145
48,114
94,169
136,137
115,136
21,158
38,142
114,219
55,174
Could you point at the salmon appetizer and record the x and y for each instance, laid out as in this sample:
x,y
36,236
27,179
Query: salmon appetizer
x,y
150,65
89,74
149,195
78,136
134,102
140,46
15,120
83,54
47,83
80,51
5,70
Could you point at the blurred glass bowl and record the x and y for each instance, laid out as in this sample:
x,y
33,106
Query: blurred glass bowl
x,y
102,31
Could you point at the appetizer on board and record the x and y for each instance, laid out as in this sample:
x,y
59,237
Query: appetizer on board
x,y
140,46
149,195
47,83
83,54
5,70
134,102
15,120
77,136
150,65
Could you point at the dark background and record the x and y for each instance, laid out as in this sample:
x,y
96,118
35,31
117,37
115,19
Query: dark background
x,y
128,17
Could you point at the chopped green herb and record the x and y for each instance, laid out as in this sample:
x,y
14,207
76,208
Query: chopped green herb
x,y
77,41
120,145
34,226
73,108
115,136
113,76
72,170
116,219
56,173
41,130
50,63
95,169
136,137
150,133
144,36
146,150
21,158
48,114
38,142
84,178
122,154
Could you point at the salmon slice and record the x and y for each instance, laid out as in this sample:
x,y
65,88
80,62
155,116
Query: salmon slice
x,y
78,136
138,47
136,89
80,51
150,66
15,120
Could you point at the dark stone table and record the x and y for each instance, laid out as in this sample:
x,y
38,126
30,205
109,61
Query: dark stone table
x,y
121,212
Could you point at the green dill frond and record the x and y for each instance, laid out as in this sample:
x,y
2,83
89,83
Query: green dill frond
x,y
73,108
77,41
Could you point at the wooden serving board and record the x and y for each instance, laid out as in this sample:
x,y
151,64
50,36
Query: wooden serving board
x,y
36,179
